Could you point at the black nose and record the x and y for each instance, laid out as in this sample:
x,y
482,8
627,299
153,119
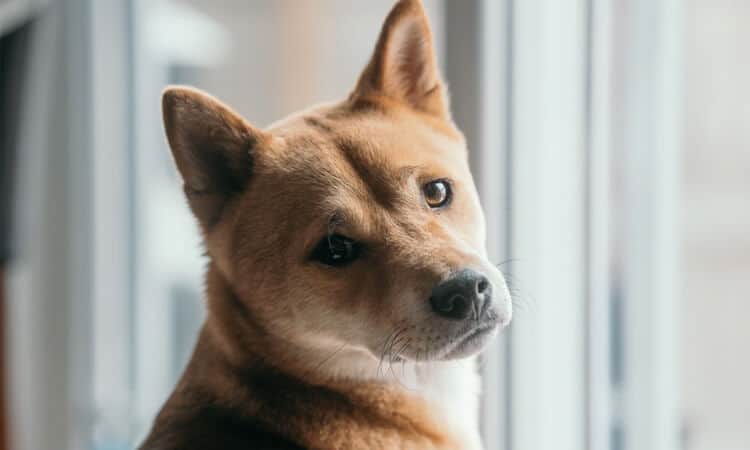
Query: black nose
x,y
464,294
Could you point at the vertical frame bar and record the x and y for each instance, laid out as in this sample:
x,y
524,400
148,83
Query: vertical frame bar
x,y
549,213
492,168
32,401
76,108
111,281
49,318
650,84
14,49
598,341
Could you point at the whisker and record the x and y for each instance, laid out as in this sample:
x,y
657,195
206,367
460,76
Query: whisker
x,y
507,261
389,343
382,353
329,357
393,373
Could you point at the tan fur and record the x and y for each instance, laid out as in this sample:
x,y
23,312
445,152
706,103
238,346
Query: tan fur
x,y
291,352
338,414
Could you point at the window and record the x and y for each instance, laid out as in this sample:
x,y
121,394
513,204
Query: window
x,y
591,133
608,140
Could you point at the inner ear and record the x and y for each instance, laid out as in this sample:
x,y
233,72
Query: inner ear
x,y
403,66
212,147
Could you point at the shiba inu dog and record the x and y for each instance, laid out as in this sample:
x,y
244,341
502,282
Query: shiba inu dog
x,y
348,286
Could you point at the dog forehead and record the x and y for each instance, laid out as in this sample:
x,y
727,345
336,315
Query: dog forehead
x,y
372,155
404,138
340,168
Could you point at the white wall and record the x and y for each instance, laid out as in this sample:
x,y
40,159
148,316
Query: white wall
x,y
716,219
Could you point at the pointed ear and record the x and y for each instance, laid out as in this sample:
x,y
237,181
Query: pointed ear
x,y
212,147
404,66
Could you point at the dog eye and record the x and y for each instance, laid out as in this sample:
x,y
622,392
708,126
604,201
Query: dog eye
x,y
336,250
437,193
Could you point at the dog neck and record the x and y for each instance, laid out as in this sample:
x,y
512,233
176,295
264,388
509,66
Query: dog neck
x,y
377,404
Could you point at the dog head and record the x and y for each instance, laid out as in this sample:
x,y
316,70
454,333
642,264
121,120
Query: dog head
x,y
354,225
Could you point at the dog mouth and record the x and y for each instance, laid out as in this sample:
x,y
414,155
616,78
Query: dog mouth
x,y
460,345
471,341
444,341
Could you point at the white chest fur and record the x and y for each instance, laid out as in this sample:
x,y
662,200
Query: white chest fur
x,y
452,388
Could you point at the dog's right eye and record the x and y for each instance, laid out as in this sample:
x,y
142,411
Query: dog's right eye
x,y
336,250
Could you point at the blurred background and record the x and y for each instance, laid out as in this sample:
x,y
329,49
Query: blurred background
x,y
611,145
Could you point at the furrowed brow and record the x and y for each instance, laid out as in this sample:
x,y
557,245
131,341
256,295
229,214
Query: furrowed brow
x,y
406,173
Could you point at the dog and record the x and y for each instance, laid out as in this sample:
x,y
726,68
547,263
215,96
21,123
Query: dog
x,y
348,287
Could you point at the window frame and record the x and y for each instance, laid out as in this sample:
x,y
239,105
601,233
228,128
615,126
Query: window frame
x,y
500,78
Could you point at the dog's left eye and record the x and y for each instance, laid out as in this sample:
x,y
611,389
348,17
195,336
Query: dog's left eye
x,y
437,193
336,250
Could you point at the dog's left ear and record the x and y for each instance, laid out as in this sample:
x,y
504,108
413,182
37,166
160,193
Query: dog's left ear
x,y
404,66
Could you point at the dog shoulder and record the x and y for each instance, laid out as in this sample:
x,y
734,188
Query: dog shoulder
x,y
211,428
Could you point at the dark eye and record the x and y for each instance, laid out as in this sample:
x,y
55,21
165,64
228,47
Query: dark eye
x,y
336,250
437,193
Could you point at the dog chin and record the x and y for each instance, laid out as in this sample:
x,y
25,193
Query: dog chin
x,y
463,345
470,343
